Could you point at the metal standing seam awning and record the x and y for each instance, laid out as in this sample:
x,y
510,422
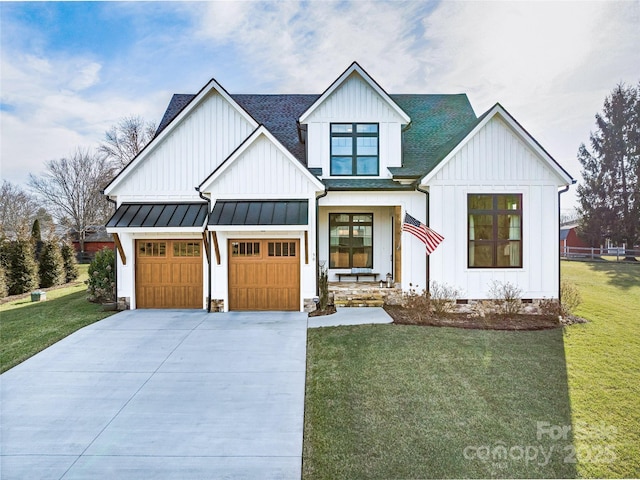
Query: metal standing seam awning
x,y
158,215
267,212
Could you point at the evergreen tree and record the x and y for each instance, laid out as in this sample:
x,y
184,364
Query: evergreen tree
x,y
36,238
69,263
610,196
102,277
23,272
50,265
3,283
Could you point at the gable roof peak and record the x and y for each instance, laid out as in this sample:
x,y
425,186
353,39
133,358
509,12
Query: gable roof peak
x,y
355,68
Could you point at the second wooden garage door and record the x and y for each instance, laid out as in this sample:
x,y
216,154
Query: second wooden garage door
x,y
264,274
169,274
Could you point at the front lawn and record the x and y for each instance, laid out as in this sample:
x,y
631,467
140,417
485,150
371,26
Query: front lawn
x,y
398,401
26,328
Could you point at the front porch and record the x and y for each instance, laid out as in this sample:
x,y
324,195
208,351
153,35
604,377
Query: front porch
x,y
363,294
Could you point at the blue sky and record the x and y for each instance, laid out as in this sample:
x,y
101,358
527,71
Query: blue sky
x,y
70,70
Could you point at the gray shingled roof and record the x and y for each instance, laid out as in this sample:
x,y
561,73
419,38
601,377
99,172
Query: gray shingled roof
x,y
177,103
438,123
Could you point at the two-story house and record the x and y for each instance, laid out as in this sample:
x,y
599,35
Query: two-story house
x,y
239,199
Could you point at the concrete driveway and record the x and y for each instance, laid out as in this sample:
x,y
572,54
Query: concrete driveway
x,y
160,394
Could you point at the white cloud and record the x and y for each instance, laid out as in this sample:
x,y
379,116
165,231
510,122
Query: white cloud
x,y
53,106
303,47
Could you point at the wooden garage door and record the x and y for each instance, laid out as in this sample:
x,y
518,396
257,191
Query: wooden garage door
x,y
169,274
264,275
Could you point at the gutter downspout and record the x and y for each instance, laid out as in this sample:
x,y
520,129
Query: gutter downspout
x,y
324,194
208,200
115,253
428,272
560,192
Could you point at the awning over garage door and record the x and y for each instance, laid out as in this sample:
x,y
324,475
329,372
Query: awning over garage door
x,y
136,215
280,212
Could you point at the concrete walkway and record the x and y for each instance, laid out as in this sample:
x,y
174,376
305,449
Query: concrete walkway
x,y
351,316
160,395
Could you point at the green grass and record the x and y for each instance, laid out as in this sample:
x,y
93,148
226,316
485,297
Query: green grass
x,y
393,401
26,328
396,401
603,364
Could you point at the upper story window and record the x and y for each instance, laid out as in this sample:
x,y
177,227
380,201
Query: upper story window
x,y
354,149
495,231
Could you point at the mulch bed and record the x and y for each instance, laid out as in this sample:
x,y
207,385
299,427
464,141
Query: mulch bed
x,y
405,316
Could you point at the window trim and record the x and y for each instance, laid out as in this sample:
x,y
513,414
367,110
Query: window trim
x,y
354,135
495,212
351,224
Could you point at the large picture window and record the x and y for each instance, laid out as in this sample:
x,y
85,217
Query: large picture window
x,y
354,149
350,240
495,231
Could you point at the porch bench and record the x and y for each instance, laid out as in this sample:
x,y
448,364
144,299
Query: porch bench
x,y
359,272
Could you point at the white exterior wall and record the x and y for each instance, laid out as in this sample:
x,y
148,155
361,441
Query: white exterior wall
x,y
381,205
262,171
195,147
126,273
354,102
496,160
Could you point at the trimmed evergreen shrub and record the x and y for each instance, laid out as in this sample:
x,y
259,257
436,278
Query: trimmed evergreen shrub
x,y
36,239
69,263
22,275
102,277
50,266
3,283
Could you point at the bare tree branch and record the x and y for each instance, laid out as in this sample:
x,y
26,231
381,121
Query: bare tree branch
x,y
126,139
72,187
17,212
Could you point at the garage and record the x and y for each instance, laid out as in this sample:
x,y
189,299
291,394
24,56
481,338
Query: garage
x,y
264,274
169,274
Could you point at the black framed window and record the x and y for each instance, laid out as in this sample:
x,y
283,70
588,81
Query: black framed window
x,y
350,240
354,149
495,230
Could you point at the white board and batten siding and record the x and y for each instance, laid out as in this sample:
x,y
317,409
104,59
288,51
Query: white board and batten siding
x,y
354,101
496,160
189,153
263,171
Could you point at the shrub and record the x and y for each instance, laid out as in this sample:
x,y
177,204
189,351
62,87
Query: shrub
x,y
443,298
570,297
3,283
102,277
22,275
323,288
419,301
69,263
50,266
506,297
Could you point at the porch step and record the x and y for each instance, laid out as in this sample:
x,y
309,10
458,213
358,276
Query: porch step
x,y
362,294
358,298
359,302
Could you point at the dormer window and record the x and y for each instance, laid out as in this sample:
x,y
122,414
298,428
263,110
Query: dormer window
x,y
354,149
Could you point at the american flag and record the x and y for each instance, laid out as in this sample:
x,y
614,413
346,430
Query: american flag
x,y
427,236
